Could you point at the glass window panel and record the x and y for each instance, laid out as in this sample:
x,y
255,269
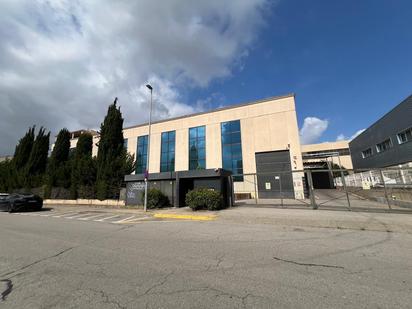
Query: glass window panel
x,y
227,163
163,167
232,148
235,138
201,153
192,164
201,131
236,150
196,146
201,143
171,147
164,159
202,164
226,152
141,154
171,136
226,138
237,164
192,133
193,143
235,126
225,127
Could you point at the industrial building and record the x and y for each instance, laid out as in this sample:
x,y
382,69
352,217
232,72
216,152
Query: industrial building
x,y
324,157
387,142
258,137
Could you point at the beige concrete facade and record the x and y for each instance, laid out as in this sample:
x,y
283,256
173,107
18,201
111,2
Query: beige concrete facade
x,y
341,147
266,125
75,138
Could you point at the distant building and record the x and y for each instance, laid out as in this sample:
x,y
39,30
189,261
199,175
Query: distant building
x,y
387,142
75,137
316,155
322,158
4,158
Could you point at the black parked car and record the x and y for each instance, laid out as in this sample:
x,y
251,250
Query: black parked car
x,y
16,202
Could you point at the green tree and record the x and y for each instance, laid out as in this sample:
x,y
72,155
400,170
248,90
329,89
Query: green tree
x,y
17,167
23,149
58,169
112,158
36,165
83,172
7,183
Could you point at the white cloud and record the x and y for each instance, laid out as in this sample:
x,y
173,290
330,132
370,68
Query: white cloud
x,y
342,137
63,61
312,129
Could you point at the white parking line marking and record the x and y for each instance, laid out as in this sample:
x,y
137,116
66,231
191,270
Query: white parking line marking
x,y
95,216
123,220
77,216
103,219
137,219
47,215
65,214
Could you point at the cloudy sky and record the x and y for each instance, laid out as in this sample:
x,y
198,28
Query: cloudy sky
x,y
63,61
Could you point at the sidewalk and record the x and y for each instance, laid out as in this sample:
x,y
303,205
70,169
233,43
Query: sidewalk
x,y
385,222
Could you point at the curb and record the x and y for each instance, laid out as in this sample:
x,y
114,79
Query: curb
x,y
186,217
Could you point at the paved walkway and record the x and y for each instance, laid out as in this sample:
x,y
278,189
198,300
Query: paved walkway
x,y
251,214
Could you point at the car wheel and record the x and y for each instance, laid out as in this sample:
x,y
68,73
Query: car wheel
x,y
11,208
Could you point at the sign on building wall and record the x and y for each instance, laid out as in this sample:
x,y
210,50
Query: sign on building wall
x,y
134,193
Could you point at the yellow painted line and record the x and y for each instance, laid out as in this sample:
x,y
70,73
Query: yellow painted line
x,y
186,217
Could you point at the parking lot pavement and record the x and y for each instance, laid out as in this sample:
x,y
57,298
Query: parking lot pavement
x,y
247,258
88,215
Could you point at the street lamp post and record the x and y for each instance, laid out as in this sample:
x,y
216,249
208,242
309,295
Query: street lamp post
x,y
146,174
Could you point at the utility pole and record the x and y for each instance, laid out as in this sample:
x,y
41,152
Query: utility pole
x,y
146,174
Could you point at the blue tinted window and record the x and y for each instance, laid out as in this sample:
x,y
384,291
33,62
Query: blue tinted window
x,y
197,148
125,141
167,157
232,148
141,154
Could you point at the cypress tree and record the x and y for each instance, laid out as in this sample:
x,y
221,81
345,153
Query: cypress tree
x,y
83,173
111,155
61,149
17,166
37,162
58,172
23,149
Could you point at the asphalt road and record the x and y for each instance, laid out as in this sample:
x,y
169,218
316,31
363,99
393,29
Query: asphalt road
x,y
49,262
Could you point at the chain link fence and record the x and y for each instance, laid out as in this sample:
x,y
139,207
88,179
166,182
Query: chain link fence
x,y
383,190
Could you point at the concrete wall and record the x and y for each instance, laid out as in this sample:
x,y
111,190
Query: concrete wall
x,y
397,120
73,144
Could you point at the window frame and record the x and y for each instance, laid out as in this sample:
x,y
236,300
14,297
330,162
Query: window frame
x,y
144,153
170,162
232,131
198,139
363,153
405,131
384,141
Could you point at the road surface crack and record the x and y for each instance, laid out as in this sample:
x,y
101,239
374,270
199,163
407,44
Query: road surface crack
x,y
9,288
35,263
308,264
156,285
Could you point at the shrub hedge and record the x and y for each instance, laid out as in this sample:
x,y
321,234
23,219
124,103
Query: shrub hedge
x,y
203,198
156,199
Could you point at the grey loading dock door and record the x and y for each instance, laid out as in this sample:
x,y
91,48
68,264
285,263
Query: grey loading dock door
x,y
274,176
